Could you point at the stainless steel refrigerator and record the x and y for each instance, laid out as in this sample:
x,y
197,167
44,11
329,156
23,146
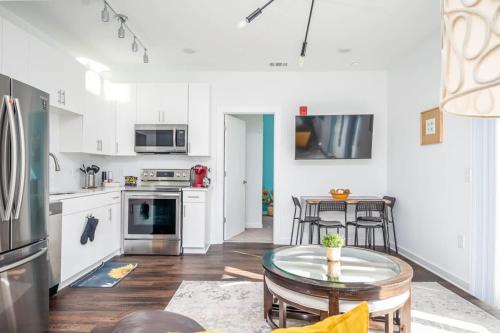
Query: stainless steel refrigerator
x,y
24,293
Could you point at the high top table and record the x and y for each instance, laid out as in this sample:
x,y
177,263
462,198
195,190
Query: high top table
x,y
302,278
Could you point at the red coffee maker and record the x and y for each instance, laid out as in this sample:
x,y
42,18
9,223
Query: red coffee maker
x,y
198,175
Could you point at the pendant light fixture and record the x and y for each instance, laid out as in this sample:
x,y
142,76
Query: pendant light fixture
x,y
259,10
122,29
470,84
253,15
135,46
105,13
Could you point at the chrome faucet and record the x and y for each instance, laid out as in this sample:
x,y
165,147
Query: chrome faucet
x,y
56,162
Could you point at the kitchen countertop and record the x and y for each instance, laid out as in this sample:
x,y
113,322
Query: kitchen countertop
x,y
202,189
63,195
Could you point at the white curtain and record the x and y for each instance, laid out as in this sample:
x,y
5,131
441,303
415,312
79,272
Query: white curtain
x,y
484,233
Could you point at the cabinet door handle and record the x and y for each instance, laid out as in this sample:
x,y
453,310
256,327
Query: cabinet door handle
x,y
64,97
193,197
163,114
116,147
184,210
59,93
97,145
110,214
159,116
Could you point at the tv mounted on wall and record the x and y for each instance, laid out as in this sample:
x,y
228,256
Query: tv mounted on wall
x,y
334,137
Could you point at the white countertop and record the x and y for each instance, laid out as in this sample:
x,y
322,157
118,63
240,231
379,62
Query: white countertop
x,y
63,195
202,189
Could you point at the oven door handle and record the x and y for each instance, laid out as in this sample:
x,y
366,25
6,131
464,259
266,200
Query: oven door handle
x,y
154,194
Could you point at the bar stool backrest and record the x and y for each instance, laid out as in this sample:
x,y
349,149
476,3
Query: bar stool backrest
x,y
370,207
332,206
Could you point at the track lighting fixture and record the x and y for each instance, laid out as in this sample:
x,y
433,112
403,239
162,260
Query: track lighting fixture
x,y
105,13
253,15
122,19
135,47
258,11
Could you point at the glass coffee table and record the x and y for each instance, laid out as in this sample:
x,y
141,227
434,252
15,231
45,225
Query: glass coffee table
x,y
301,278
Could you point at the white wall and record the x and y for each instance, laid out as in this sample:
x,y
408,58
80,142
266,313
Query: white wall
x,y
431,183
282,94
254,156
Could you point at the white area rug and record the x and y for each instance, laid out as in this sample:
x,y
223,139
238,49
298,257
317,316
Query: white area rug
x,y
236,307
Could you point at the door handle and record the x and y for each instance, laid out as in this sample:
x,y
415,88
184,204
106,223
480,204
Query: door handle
x,y
10,127
184,210
22,152
64,97
23,261
159,116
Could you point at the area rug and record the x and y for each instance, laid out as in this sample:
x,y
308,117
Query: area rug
x,y
236,307
105,276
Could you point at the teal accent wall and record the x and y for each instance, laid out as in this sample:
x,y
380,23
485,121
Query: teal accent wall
x,y
268,153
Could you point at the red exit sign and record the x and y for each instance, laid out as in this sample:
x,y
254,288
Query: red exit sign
x,y
303,110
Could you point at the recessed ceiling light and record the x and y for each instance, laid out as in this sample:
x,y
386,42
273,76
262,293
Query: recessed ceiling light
x,y
189,51
344,50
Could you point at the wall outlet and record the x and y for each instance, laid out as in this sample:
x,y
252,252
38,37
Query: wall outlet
x,y
461,241
430,126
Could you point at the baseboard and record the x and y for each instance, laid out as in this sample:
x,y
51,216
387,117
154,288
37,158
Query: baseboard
x,y
451,278
196,250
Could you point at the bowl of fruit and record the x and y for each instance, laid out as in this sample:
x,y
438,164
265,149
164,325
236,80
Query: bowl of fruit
x,y
340,193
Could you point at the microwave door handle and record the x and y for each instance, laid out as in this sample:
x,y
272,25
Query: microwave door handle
x,y
10,191
22,152
174,141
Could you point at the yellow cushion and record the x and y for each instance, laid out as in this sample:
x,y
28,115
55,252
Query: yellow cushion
x,y
354,321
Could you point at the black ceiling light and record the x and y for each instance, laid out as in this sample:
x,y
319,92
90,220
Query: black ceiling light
x,y
253,15
258,11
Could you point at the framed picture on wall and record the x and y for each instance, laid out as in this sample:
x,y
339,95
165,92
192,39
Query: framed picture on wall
x,y
431,127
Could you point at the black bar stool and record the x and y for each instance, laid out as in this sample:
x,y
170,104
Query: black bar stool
x,y
390,221
370,215
330,206
301,221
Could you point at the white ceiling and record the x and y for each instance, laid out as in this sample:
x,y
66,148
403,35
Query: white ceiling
x,y
377,31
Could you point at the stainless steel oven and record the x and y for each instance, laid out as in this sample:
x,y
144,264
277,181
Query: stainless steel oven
x,y
161,139
153,213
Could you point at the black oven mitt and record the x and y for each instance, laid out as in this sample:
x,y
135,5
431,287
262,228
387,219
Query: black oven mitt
x,y
89,231
145,210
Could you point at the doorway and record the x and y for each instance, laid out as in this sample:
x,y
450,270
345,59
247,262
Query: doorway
x,y
249,178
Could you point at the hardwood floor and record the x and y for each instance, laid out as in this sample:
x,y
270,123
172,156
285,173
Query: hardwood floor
x,y
156,279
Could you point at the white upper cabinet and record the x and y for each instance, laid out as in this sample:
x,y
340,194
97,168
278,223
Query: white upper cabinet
x,y
15,52
162,103
199,120
125,119
72,85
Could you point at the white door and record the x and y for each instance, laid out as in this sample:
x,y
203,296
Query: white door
x,y
235,162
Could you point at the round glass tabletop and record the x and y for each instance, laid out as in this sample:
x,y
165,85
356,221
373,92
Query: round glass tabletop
x,y
355,266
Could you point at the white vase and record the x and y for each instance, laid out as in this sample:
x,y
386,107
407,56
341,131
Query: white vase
x,y
333,253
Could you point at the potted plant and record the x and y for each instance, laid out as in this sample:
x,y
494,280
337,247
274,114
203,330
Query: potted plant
x,y
333,244
267,199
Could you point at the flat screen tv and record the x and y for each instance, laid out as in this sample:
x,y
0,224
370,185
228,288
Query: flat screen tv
x,y
333,137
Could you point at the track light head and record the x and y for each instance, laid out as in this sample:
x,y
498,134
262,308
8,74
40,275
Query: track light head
x,y
303,51
249,18
105,13
135,46
121,31
145,57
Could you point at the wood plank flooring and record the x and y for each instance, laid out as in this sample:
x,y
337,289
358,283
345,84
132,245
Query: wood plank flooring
x,y
156,279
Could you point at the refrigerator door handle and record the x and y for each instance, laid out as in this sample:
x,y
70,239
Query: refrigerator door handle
x,y
22,152
23,261
6,105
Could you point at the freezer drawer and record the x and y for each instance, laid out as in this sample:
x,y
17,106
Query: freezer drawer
x,y
24,293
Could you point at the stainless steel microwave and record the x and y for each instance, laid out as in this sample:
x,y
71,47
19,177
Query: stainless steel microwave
x,y
161,139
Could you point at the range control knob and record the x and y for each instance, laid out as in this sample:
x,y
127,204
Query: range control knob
x,y
151,174
184,174
145,174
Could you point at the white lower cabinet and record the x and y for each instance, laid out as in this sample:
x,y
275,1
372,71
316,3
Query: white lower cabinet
x,y
77,258
195,221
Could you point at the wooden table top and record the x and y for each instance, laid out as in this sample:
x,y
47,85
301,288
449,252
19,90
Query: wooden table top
x,y
352,200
